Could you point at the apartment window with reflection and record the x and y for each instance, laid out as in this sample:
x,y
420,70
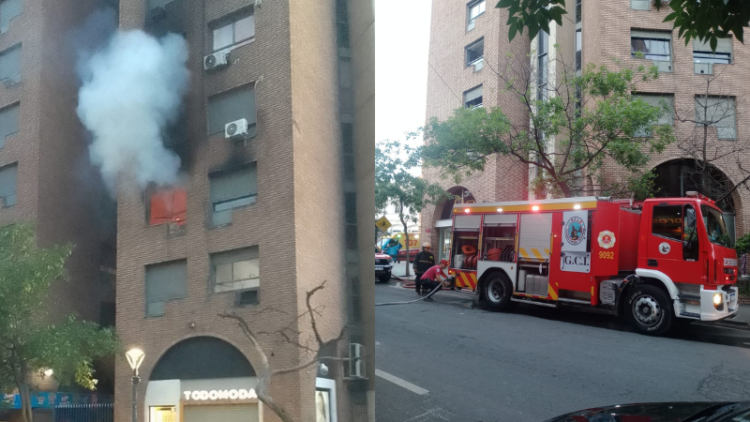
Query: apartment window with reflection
x,y
579,47
232,189
231,106
237,271
10,65
236,32
8,122
663,101
475,52
704,57
8,182
542,57
473,97
655,45
718,112
164,282
475,9
167,206
9,9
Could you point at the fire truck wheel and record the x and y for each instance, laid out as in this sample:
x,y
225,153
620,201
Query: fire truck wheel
x,y
497,291
648,310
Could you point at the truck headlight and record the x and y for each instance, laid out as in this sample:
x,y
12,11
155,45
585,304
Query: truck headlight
x,y
717,298
718,301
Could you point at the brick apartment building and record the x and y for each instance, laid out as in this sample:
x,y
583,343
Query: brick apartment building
x,y
262,219
469,44
45,175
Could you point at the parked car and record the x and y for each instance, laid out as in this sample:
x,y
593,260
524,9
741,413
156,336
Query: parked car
x,y
662,412
383,266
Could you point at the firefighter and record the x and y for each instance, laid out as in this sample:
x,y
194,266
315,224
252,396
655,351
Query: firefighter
x,y
434,277
422,262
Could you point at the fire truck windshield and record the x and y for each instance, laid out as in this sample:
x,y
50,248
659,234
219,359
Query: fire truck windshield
x,y
715,226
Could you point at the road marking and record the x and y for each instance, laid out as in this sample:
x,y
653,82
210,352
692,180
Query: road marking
x,y
401,383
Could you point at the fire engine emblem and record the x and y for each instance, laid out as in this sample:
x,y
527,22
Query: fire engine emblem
x,y
575,231
606,239
664,248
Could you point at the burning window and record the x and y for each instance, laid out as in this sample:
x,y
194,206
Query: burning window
x,y
168,206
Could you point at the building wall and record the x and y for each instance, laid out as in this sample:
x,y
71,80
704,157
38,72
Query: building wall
x,y
293,63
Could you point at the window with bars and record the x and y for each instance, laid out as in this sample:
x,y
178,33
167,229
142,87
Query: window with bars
x,y
718,112
542,59
234,33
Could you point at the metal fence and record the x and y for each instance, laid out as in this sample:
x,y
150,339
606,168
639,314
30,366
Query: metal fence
x,y
96,412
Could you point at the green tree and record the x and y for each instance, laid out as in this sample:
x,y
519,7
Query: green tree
x,y
701,19
31,343
575,126
395,183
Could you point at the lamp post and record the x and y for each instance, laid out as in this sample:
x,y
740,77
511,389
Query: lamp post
x,y
135,358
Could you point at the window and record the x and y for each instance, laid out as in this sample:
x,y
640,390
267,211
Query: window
x,y
473,97
232,189
640,4
579,47
702,52
716,228
542,52
9,9
235,33
653,44
237,271
718,112
665,102
667,221
168,206
8,181
475,53
10,64
8,122
234,105
475,9
164,282
578,11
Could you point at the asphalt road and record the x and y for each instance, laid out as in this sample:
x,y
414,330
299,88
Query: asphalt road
x,y
441,361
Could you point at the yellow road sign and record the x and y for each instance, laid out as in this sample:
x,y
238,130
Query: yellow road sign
x,y
383,224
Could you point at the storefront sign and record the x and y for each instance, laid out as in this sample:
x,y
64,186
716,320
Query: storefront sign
x,y
211,395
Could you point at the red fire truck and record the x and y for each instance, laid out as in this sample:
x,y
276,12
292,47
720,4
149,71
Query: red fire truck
x,y
651,262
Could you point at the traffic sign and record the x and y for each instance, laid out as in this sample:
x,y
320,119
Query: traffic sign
x,y
383,224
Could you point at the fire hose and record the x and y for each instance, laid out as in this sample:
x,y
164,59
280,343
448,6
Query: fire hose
x,y
427,296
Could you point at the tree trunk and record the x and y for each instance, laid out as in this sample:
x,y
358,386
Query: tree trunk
x,y
564,188
406,241
264,381
23,391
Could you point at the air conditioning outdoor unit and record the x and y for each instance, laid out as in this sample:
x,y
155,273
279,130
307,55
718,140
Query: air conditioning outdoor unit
x,y
356,365
237,129
215,61
478,65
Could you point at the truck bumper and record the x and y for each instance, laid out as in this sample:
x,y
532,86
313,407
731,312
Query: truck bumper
x,y
728,307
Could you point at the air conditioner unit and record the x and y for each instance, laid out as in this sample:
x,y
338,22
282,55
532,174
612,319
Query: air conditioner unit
x,y
216,61
663,66
356,365
640,4
237,129
478,65
703,68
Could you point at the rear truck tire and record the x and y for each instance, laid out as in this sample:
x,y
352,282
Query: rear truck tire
x,y
384,278
497,291
648,310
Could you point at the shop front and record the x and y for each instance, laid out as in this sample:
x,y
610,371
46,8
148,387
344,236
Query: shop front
x,y
202,379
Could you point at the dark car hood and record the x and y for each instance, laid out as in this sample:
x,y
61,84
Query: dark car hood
x,y
642,412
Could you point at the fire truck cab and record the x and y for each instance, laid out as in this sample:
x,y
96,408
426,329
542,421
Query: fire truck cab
x,y
651,262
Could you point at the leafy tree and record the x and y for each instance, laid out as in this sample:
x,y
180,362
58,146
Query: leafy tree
x,y
396,183
701,19
31,343
743,244
575,126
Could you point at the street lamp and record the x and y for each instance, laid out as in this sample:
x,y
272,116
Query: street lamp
x,y
135,358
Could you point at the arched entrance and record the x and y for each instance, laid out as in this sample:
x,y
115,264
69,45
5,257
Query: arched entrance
x,y
677,177
443,218
200,379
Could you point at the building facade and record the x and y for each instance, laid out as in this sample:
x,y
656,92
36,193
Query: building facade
x,y
469,47
243,233
45,175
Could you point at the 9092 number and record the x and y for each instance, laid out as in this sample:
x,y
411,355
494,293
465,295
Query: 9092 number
x,y
606,255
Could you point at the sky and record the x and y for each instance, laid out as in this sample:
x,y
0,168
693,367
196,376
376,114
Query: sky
x,y
402,39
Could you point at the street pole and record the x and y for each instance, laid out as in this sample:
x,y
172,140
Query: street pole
x,y
136,380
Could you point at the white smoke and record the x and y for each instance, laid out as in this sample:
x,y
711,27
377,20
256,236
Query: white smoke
x,y
132,90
